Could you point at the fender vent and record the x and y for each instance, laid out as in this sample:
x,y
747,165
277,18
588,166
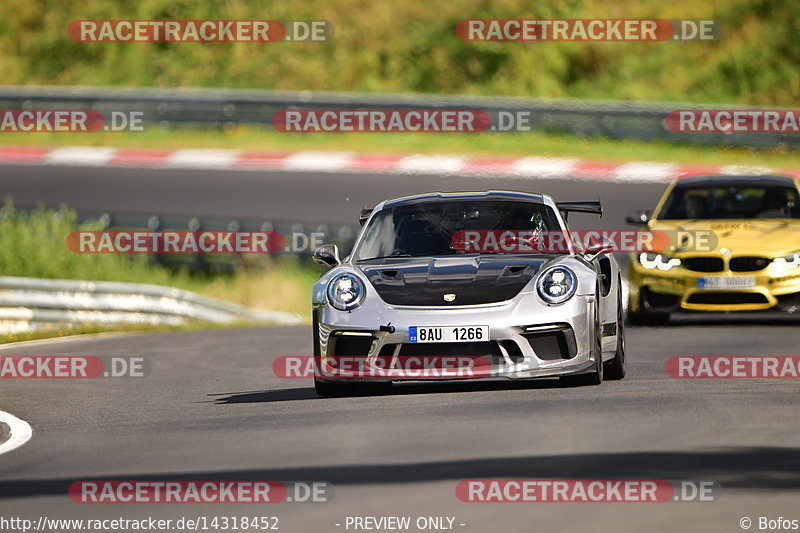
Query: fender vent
x,y
553,345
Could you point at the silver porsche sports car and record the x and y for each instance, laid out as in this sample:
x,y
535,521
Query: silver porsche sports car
x,y
458,286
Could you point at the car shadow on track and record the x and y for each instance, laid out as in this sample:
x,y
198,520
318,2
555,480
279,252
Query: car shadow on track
x,y
404,389
738,468
276,395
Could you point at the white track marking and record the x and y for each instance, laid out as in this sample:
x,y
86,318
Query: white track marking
x,y
543,167
202,158
430,164
333,161
80,155
740,169
645,172
318,161
21,432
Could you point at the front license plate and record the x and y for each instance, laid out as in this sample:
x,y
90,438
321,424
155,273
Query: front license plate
x,y
448,333
727,282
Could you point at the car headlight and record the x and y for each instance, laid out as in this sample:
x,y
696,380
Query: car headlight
x,y
650,260
346,292
789,261
557,285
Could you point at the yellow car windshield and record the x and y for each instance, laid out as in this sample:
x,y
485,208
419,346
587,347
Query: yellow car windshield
x,y
731,202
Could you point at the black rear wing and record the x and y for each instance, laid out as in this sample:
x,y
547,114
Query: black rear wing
x,y
591,208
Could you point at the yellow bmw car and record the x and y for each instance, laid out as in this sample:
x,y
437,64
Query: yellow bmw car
x,y
734,245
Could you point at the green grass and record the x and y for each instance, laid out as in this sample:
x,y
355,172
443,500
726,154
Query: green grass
x,y
34,245
411,46
493,144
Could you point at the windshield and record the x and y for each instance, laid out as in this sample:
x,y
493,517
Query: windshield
x,y
731,202
425,229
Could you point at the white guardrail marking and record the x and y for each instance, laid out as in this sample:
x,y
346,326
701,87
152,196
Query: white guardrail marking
x,y
21,432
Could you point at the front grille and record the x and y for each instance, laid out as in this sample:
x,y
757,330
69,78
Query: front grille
x,y
704,264
452,349
749,264
434,355
727,298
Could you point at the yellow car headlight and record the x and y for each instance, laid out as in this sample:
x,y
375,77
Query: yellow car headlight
x,y
789,261
651,261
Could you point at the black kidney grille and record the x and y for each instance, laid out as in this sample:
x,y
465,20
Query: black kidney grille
x,y
704,264
749,264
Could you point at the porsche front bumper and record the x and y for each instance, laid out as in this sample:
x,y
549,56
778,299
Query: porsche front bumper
x,y
527,339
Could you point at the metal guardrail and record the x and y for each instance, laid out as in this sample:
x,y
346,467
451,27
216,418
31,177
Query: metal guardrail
x,y
30,303
225,107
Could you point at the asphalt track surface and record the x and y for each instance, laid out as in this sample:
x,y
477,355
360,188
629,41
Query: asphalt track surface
x,y
211,407
305,196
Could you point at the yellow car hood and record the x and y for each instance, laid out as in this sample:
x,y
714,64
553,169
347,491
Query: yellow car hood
x,y
758,237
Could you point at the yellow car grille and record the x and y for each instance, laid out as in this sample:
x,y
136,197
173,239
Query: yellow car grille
x,y
749,264
718,264
704,264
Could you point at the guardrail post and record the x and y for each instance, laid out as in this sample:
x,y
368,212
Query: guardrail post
x,y
154,224
200,262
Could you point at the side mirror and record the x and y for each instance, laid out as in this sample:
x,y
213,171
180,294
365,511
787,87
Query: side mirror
x,y
603,246
327,254
639,218
364,215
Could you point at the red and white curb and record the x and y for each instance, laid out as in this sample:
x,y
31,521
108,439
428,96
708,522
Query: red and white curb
x,y
417,164
21,432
